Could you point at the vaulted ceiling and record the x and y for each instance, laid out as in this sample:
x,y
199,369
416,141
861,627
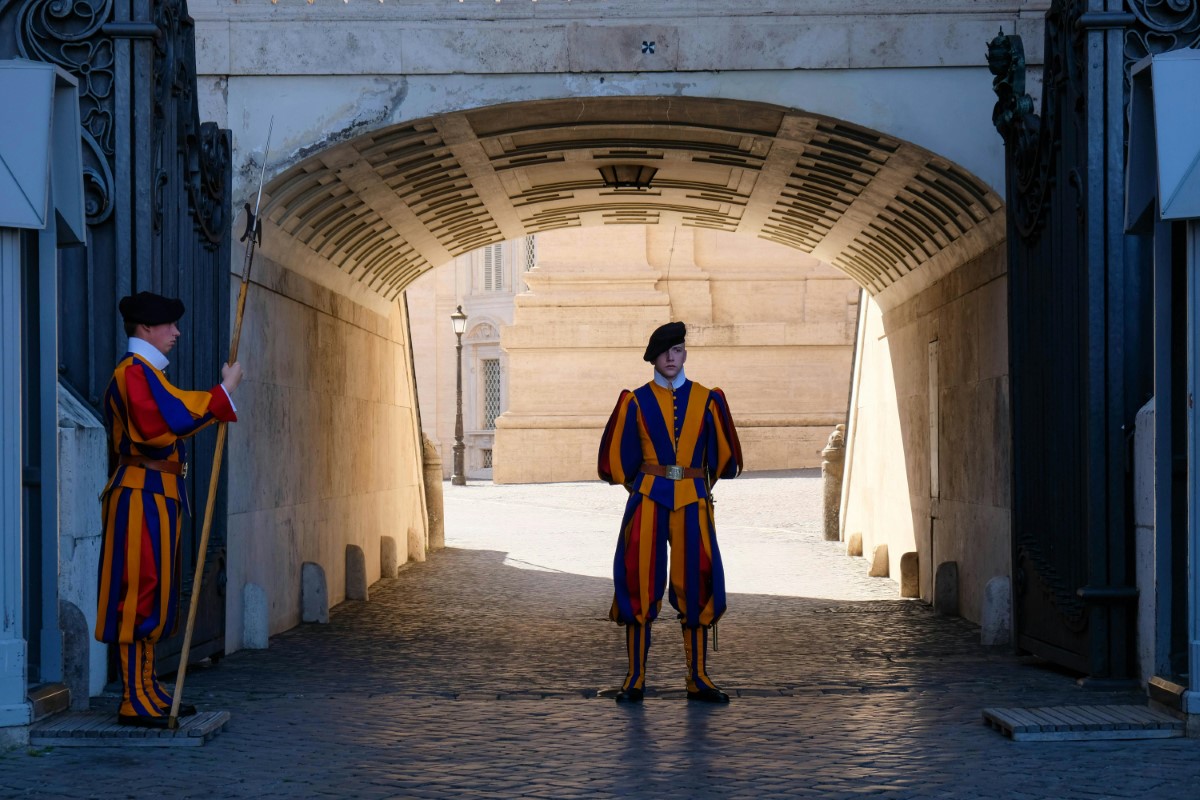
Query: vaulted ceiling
x,y
391,204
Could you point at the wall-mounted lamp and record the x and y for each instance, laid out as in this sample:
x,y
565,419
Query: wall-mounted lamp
x,y
627,176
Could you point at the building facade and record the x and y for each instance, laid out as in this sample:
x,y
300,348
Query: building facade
x,y
485,283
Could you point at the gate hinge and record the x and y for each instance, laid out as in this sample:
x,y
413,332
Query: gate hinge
x,y
1098,20
1107,594
132,30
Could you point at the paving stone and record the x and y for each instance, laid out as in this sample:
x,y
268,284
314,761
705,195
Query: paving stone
x,y
842,691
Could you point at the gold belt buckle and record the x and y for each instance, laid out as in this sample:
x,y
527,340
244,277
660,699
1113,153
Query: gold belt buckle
x,y
675,472
183,472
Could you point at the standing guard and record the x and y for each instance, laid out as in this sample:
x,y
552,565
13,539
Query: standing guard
x,y
147,419
667,442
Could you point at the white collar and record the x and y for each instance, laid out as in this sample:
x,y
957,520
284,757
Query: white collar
x,y
680,379
140,347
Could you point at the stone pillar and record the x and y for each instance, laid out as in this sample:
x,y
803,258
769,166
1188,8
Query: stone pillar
x,y
314,593
356,573
945,588
910,568
433,493
256,625
14,709
389,558
834,456
77,639
880,566
996,625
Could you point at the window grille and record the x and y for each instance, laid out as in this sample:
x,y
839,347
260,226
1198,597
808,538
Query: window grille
x,y
493,268
491,392
487,458
530,252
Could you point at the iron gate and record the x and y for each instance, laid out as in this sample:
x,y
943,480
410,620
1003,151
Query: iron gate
x,y
156,183
1080,336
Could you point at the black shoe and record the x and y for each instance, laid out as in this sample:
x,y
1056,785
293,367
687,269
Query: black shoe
x,y
138,721
707,695
630,696
185,710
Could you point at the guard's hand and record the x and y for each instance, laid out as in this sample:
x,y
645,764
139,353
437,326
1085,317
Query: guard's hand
x,y
231,376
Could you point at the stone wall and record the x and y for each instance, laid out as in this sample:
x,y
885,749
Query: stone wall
x,y
940,489
82,474
326,451
328,71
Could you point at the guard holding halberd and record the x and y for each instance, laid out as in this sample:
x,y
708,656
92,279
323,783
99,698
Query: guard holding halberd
x,y
667,442
145,499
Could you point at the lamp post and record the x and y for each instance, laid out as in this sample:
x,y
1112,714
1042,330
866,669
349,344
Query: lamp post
x,y
459,478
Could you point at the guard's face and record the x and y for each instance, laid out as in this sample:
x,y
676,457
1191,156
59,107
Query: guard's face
x,y
162,336
669,362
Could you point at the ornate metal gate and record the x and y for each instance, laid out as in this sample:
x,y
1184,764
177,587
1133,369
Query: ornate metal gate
x,y
156,183
1080,343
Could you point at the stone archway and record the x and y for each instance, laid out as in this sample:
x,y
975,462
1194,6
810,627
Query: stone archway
x,y
350,226
391,204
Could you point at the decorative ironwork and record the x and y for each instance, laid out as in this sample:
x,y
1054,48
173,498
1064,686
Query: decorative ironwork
x,y
491,392
1076,348
69,34
1164,25
530,252
79,36
156,183
1049,526
1032,140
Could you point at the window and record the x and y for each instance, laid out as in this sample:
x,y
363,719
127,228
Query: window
x,y
493,268
530,252
487,457
491,392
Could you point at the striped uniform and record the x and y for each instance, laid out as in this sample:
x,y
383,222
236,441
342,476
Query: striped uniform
x,y
142,513
655,425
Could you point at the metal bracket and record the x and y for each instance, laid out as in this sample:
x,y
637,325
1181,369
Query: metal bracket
x,y
133,30
1099,20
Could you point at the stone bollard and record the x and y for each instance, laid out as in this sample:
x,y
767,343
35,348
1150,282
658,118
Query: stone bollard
x,y
834,456
314,593
77,638
256,630
356,573
880,568
996,627
910,575
854,545
416,547
945,589
389,558
433,493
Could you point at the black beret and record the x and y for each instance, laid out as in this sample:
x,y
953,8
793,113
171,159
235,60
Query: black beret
x,y
664,338
148,308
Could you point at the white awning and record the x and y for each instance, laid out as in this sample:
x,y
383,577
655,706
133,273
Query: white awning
x,y
41,169
1164,139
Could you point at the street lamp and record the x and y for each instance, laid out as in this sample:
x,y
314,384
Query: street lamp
x,y
459,478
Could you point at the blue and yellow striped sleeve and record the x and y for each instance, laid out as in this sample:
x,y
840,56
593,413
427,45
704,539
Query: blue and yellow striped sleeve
x,y
620,455
723,443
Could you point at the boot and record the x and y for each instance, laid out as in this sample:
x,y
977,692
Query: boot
x,y
637,642
699,685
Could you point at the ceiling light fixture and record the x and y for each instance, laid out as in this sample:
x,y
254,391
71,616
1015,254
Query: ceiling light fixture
x,y
627,176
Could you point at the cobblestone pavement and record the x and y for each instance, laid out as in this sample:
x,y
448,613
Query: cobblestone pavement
x,y
474,675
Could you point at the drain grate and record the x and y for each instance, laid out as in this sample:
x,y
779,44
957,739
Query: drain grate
x,y
1074,723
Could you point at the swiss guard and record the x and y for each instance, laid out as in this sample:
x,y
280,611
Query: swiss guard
x,y
667,442
145,499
